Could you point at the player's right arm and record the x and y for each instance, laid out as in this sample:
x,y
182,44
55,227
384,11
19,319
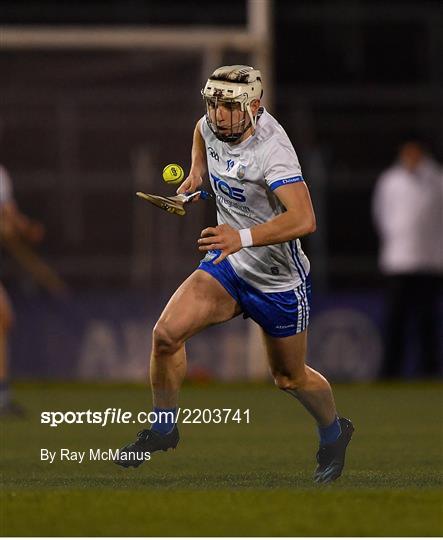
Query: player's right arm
x,y
198,164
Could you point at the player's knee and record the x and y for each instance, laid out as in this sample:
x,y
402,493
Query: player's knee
x,y
163,339
290,381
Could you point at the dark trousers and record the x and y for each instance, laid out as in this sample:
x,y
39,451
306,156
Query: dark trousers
x,y
413,307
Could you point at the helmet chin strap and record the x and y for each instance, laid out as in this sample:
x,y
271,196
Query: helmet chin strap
x,y
251,116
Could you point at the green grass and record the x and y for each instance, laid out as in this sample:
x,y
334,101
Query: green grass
x,y
228,479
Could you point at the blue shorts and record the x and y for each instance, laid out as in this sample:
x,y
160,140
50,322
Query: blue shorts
x,y
280,314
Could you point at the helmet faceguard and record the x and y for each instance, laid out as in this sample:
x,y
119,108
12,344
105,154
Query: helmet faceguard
x,y
234,88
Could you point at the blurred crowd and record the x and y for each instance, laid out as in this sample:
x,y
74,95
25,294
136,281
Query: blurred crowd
x,y
408,215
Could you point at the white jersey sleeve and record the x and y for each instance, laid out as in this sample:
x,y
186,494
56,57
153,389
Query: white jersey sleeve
x,y
280,162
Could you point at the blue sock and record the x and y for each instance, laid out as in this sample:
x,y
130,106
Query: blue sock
x,y
164,423
331,433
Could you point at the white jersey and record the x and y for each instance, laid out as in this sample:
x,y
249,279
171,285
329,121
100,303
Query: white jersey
x,y
243,178
408,213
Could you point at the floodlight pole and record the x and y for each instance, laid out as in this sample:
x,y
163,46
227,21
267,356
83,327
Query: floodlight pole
x,y
260,27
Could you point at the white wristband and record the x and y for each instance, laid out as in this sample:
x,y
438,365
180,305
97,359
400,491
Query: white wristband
x,y
246,237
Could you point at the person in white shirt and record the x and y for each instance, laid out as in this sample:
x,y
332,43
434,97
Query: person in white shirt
x,y
254,263
408,215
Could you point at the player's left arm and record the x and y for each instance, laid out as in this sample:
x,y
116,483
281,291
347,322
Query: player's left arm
x,y
298,220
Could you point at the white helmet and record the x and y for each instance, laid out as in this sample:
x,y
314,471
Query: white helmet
x,y
229,85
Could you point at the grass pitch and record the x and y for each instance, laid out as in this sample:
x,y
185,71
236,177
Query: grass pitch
x,y
228,479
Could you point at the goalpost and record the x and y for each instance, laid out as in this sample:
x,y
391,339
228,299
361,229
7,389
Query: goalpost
x,y
255,40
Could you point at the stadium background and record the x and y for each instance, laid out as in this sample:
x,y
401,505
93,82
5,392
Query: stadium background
x,y
82,128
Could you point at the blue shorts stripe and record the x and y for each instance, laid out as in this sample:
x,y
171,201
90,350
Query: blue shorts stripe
x,y
306,307
307,296
303,310
299,310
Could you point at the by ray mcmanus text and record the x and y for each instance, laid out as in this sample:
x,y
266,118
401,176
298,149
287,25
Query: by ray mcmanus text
x,y
91,454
